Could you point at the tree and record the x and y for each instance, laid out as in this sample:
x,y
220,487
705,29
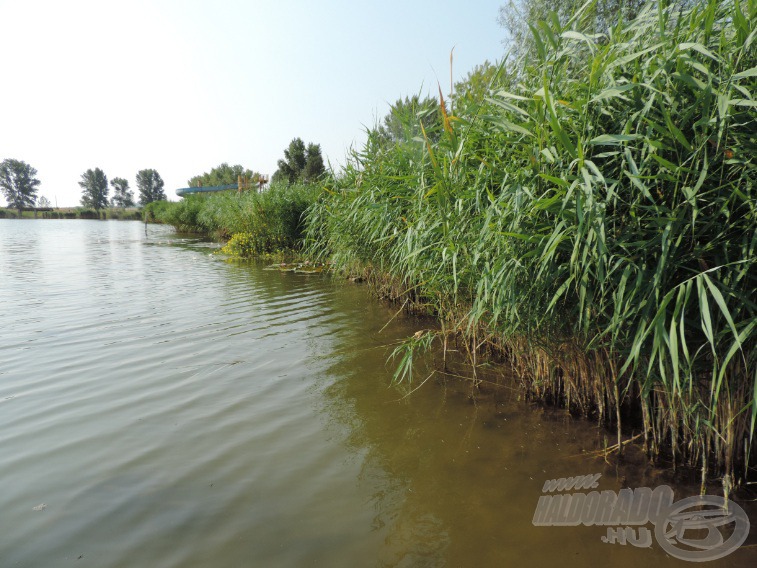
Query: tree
x,y
150,186
224,175
19,184
43,202
94,186
122,195
403,123
479,82
300,163
314,167
293,163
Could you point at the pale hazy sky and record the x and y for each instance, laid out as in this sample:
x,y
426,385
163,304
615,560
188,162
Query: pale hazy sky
x,y
183,85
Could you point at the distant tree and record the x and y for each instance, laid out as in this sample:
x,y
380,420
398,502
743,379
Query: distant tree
x,y
403,123
300,163
479,82
150,186
293,163
224,175
314,167
94,186
122,195
43,202
19,184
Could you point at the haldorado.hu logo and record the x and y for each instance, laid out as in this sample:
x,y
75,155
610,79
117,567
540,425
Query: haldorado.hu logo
x,y
626,512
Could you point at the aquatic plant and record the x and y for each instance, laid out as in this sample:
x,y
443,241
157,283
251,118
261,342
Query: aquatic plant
x,y
241,245
271,220
594,221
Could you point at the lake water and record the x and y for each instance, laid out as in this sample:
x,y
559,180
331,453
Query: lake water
x,y
162,407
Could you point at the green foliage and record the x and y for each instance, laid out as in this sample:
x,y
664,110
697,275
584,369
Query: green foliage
x,y
300,164
293,163
157,211
87,213
408,118
124,214
314,168
94,186
184,214
224,175
122,195
150,186
479,83
18,183
518,17
241,245
272,220
597,221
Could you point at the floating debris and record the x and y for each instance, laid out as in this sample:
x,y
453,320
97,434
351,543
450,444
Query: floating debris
x,y
306,267
40,507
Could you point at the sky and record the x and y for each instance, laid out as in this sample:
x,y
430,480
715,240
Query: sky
x,y
182,86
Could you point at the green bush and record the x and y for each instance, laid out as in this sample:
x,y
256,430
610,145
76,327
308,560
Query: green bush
x,y
183,215
156,211
272,219
242,245
87,213
124,214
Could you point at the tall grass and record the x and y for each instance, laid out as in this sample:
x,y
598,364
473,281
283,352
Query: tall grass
x,y
595,221
271,220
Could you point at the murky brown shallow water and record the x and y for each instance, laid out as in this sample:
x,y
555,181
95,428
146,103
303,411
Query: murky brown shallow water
x,y
171,409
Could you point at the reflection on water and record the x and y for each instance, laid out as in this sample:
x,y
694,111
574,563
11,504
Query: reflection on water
x,y
172,409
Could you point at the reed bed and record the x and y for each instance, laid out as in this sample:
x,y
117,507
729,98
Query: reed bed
x,y
593,218
266,222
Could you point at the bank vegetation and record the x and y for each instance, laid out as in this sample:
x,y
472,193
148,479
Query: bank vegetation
x,y
590,214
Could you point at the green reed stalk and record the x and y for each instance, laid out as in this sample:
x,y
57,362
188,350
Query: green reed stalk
x,y
594,219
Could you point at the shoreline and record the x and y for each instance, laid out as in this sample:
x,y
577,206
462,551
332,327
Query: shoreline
x,y
623,422
73,213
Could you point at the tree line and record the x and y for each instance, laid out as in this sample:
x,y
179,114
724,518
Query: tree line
x,y
94,184
302,163
19,184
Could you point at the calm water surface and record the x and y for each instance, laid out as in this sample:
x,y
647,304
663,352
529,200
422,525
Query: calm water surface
x,y
162,407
